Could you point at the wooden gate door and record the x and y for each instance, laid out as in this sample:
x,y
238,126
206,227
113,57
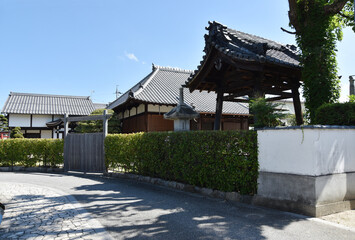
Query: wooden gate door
x,y
84,152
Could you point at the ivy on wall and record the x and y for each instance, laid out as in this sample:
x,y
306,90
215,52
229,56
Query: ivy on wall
x,y
318,25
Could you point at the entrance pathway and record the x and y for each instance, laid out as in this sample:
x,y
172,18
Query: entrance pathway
x,y
34,212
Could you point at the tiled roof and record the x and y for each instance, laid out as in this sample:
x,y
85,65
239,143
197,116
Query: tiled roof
x,y
29,103
242,46
100,105
162,85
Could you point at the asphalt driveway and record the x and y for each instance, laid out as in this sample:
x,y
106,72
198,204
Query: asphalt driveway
x,y
133,210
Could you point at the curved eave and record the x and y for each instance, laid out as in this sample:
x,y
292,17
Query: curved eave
x,y
257,64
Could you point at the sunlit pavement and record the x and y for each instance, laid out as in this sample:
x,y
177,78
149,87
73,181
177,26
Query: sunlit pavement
x,y
77,206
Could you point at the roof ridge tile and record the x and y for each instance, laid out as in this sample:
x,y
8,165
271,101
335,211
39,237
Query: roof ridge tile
x,y
45,95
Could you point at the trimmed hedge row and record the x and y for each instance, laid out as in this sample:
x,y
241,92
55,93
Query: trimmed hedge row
x,y
31,152
336,114
226,161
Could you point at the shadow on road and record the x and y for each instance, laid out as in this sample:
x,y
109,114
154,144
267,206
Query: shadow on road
x,y
139,210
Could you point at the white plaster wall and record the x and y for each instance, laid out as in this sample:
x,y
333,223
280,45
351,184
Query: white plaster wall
x,y
40,120
165,109
153,108
311,152
46,134
133,112
126,114
140,109
19,120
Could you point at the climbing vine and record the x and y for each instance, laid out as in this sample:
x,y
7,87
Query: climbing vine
x,y
318,25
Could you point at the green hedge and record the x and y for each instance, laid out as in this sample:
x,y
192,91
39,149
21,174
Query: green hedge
x,y
223,160
31,152
336,114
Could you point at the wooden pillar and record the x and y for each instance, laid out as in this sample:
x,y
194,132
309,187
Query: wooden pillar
x,y
66,124
105,123
219,107
297,105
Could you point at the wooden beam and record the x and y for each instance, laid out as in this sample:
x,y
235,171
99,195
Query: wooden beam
x,y
276,98
278,92
238,100
219,106
238,94
241,84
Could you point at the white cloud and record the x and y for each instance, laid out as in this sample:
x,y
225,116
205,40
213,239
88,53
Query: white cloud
x,y
131,56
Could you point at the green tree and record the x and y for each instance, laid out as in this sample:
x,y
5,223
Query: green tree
x,y
4,125
265,114
318,25
16,133
97,126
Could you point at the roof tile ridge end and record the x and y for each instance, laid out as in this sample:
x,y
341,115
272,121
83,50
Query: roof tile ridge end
x,y
175,69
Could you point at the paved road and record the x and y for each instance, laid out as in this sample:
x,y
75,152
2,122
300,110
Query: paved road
x,y
131,210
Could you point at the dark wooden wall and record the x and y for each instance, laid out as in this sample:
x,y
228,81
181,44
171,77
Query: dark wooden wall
x,y
153,122
84,152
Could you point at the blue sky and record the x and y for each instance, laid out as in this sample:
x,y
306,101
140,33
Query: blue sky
x,y
87,47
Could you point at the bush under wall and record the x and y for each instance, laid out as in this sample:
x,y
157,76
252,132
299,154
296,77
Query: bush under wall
x,y
336,114
31,152
226,161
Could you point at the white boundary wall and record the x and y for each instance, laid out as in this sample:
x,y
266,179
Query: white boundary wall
x,y
308,151
310,170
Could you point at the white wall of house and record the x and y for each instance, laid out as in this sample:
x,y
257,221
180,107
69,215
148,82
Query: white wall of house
x,y
153,108
133,112
19,120
311,152
140,108
159,108
40,120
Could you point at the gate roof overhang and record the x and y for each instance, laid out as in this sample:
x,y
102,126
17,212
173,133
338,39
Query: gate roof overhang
x,y
241,64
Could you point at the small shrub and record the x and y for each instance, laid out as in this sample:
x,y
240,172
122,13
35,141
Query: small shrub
x,y
265,113
16,133
336,114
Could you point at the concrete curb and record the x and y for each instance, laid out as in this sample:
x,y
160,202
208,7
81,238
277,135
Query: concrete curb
x,y
228,196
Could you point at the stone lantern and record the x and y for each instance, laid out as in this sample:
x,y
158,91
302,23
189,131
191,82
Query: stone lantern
x,y
182,114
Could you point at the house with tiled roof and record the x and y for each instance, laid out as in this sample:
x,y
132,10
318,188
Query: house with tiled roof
x,y
141,108
33,112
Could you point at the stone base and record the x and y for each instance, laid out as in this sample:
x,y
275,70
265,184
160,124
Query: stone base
x,y
30,169
310,195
